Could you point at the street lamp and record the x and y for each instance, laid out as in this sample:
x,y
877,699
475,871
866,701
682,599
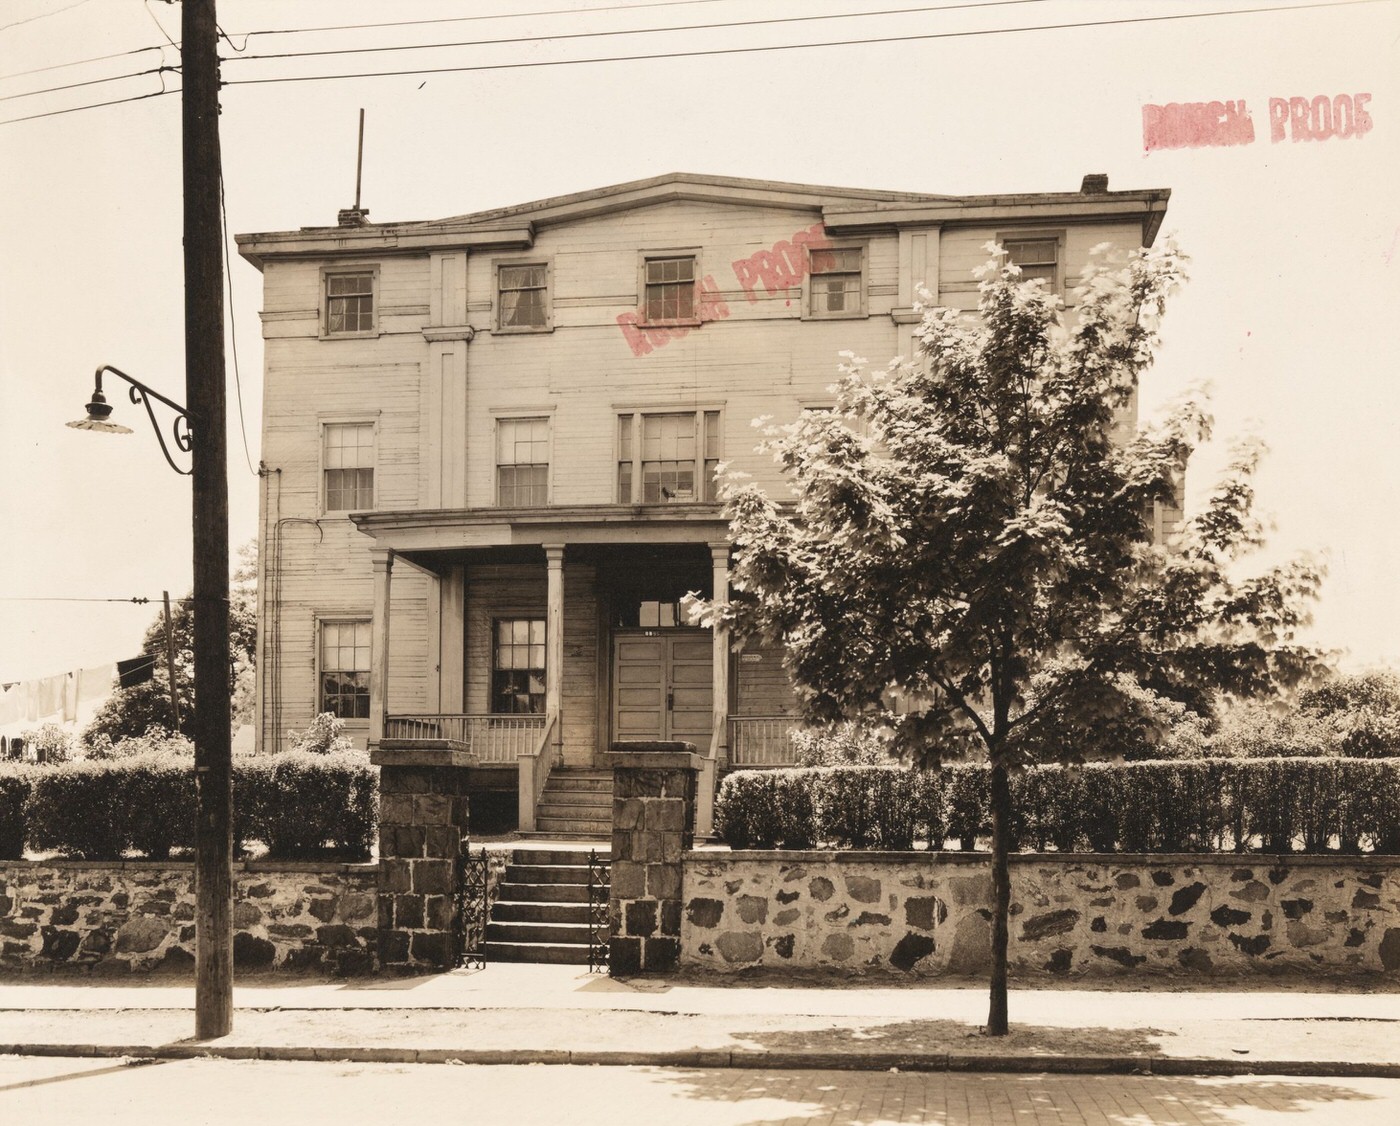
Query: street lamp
x,y
99,412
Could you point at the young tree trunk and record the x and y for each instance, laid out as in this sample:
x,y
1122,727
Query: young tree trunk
x,y
1001,896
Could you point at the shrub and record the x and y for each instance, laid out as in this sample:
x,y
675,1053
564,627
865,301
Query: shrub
x,y
49,743
842,744
1190,805
14,790
298,804
324,735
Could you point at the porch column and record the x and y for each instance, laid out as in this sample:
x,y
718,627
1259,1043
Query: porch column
x,y
554,640
452,677
383,562
719,557
718,750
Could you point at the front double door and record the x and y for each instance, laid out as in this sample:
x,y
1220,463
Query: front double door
x,y
663,686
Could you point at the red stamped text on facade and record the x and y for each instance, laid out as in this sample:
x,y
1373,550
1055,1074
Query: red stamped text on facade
x,y
1194,125
782,266
1317,119
644,339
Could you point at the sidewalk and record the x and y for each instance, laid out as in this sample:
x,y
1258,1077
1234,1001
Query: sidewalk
x,y
561,1014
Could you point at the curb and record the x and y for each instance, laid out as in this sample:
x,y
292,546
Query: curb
x,y
728,1058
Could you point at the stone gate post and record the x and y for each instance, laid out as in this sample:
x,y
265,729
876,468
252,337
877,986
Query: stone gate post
x,y
653,824
423,821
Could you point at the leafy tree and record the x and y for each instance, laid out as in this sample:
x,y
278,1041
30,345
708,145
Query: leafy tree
x,y
1362,708
967,530
132,712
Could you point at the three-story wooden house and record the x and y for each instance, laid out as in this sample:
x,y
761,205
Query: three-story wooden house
x,y
490,445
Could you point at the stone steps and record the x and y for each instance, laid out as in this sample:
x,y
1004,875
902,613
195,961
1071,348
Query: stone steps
x,y
541,913
576,803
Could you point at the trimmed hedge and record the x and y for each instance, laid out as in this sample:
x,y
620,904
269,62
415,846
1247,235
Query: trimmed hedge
x,y
298,804
14,791
1198,805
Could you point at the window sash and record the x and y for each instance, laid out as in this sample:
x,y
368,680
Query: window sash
x,y
522,462
667,457
837,276
345,667
348,463
1038,258
522,292
518,666
349,303
670,289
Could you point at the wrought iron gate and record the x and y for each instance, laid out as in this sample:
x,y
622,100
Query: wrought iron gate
x,y
470,910
599,881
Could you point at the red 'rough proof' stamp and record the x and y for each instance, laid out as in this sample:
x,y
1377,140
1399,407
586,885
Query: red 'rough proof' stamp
x,y
1195,125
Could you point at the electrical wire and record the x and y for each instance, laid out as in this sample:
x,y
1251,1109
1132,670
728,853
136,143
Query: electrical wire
x,y
797,46
82,62
95,105
44,15
471,19
233,326
638,31
89,82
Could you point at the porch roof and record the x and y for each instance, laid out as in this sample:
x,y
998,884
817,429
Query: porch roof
x,y
409,531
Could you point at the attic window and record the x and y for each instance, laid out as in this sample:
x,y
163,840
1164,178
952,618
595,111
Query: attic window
x,y
1037,257
669,289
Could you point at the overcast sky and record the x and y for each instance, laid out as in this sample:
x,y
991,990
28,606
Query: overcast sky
x,y
1291,310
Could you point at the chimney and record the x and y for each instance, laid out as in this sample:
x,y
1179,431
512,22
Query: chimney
x,y
352,216
1095,183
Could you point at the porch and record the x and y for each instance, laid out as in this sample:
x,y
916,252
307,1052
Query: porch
x,y
553,635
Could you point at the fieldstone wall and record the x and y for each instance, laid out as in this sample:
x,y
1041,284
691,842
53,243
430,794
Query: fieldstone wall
x,y
110,917
1071,915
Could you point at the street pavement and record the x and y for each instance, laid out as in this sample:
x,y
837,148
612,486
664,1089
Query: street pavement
x,y
68,1092
514,1014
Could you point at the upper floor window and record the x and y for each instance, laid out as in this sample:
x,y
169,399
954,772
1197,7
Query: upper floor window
x,y
344,689
522,296
349,302
669,289
522,462
348,460
669,457
518,666
837,281
1037,257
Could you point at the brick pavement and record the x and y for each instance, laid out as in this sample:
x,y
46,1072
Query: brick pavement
x,y
217,1093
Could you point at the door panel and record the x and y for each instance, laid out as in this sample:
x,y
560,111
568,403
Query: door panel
x,y
663,687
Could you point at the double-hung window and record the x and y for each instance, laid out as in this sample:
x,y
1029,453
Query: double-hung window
x,y
349,303
837,281
518,666
522,462
522,296
344,664
667,457
1038,258
669,289
348,460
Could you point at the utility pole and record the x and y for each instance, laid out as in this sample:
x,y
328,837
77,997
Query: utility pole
x,y
204,390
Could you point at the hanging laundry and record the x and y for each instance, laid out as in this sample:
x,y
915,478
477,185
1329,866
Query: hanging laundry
x,y
136,670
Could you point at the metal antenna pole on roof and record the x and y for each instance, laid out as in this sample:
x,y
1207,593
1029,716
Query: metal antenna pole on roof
x,y
360,158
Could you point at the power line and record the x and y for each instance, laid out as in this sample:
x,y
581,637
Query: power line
x,y
95,105
44,15
797,46
638,31
81,62
89,82
472,19
233,326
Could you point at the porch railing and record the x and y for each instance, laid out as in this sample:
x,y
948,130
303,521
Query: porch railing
x,y
495,738
761,740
